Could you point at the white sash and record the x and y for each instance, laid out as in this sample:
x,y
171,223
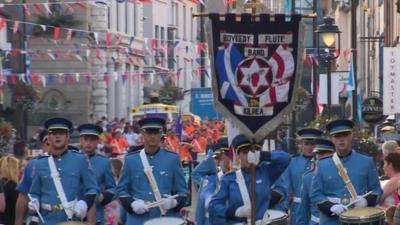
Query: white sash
x,y
343,174
242,187
59,188
153,184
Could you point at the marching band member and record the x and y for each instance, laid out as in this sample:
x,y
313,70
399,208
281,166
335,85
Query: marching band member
x,y
59,179
89,139
205,174
308,214
331,188
231,204
26,182
290,181
152,182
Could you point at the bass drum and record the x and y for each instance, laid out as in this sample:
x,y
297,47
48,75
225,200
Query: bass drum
x,y
363,216
166,221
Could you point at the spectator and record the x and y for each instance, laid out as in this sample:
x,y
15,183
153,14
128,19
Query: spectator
x,y
130,135
388,147
9,171
118,143
392,170
113,210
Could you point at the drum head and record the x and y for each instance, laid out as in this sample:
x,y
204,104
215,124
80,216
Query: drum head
x,y
165,221
276,214
362,215
72,223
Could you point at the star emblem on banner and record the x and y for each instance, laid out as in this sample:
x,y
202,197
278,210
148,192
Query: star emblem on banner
x,y
252,75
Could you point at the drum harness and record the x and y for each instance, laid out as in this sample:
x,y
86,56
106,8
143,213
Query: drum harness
x,y
67,206
343,174
245,194
150,176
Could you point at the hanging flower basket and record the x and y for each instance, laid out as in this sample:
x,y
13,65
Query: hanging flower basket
x,y
6,135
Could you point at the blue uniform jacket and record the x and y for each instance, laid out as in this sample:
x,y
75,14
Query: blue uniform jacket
x,y
205,175
209,188
206,167
328,183
76,174
105,179
225,202
290,184
133,183
306,209
26,181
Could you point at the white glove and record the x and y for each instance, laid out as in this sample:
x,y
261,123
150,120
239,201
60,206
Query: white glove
x,y
169,203
338,209
80,209
243,211
33,205
139,207
360,202
253,157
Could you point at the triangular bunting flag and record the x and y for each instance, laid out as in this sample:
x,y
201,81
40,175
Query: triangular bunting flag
x,y
56,32
69,34
15,27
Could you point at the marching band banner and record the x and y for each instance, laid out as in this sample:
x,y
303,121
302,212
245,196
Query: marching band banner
x,y
256,68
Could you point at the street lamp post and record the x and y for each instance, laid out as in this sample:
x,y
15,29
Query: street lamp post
x,y
329,33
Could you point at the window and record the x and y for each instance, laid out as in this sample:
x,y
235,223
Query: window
x,y
127,18
184,21
191,24
177,14
135,18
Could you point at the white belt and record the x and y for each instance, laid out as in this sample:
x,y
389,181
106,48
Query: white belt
x,y
297,199
334,200
56,207
314,219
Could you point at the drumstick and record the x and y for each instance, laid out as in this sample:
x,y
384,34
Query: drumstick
x,y
357,200
36,209
157,203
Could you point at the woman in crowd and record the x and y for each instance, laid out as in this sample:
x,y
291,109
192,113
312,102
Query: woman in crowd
x,y
391,168
9,171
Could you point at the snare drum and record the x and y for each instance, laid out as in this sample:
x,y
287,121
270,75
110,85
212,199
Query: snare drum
x,y
166,221
363,216
277,217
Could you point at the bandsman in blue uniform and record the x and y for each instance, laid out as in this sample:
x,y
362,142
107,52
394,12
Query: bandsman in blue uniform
x,y
152,181
329,191
206,175
308,214
59,178
232,203
290,181
89,139
26,182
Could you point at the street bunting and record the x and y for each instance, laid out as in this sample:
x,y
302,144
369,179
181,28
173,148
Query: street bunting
x,y
256,67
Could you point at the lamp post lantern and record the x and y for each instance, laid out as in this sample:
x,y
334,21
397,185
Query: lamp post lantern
x,y
329,33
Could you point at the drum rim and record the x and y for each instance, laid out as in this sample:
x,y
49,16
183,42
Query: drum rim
x,y
363,219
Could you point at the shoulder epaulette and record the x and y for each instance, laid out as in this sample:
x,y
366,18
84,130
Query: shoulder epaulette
x,y
103,156
326,157
170,151
133,152
75,151
362,153
295,155
41,156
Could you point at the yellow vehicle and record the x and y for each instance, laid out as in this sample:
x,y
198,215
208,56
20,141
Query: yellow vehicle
x,y
155,110
192,117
